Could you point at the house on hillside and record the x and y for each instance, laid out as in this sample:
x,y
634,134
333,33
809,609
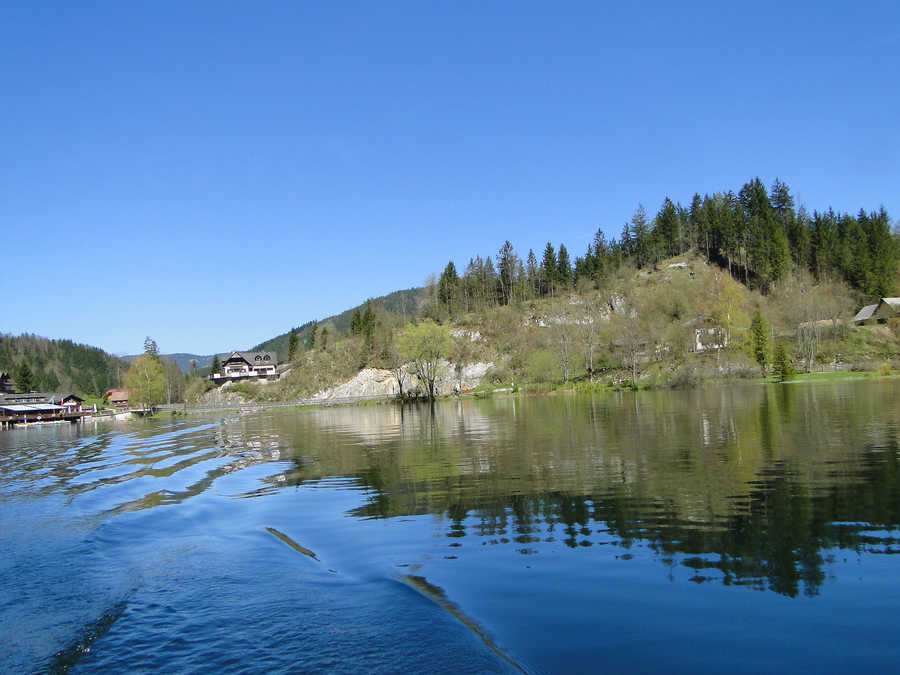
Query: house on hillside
x,y
240,365
118,398
7,385
884,309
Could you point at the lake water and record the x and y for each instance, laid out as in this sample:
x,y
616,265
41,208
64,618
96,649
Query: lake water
x,y
744,528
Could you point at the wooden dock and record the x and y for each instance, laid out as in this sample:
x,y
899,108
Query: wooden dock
x,y
7,421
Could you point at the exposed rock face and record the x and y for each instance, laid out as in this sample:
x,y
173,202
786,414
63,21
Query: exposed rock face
x,y
377,382
222,396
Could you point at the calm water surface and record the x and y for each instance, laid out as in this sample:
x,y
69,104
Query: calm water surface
x,y
746,529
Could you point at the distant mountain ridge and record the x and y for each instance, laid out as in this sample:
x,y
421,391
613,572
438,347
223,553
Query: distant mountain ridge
x,y
183,360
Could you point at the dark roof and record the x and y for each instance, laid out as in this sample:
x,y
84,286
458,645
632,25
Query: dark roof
x,y
59,398
253,358
865,313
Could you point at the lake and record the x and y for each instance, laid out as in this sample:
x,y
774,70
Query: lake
x,y
746,528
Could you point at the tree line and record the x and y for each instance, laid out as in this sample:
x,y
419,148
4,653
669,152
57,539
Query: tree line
x,y
757,235
38,364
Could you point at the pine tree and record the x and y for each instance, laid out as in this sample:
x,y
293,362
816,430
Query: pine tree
x,y
564,268
759,337
642,247
783,368
368,321
507,262
447,287
549,270
311,335
668,229
216,366
293,343
150,348
532,274
24,378
356,322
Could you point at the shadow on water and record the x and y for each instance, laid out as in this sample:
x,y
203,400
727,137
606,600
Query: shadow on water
x,y
438,596
66,659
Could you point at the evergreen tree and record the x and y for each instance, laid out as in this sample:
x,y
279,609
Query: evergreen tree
x,y
293,343
884,252
489,282
549,270
150,348
447,287
759,337
24,378
311,335
507,262
563,268
668,229
532,274
642,247
782,365
216,366
368,321
323,338
356,322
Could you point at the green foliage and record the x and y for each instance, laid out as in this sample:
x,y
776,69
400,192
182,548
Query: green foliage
x,y
783,368
311,335
425,345
759,340
216,366
146,381
293,343
884,369
151,348
543,366
564,268
58,365
24,378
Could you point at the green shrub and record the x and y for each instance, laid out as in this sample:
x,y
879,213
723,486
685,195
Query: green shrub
x,y
542,366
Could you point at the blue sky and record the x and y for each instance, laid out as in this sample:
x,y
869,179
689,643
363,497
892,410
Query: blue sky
x,y
211,174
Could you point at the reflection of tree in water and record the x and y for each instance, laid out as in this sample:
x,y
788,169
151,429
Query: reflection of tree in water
x,y
776,541
743,486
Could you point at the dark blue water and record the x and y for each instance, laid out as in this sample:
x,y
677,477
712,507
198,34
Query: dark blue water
x,y
749,529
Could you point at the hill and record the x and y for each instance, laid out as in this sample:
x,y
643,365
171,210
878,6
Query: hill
x,y
183,360
404,304
61,365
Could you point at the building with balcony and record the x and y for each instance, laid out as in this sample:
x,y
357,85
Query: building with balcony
x,y
240,365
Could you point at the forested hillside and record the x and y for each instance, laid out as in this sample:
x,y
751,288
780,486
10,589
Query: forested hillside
x,y
403,304
724,287
758,236
59,365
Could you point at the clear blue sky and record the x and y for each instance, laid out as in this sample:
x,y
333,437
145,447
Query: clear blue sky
x,y
211,174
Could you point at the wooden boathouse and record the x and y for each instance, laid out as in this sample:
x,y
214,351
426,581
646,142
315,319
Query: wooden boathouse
x,y
28,409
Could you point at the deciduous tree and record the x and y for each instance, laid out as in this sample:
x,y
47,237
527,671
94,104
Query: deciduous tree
x,y
425,345
146,381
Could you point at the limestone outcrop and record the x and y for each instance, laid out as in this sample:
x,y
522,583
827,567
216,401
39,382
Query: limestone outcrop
x,y
378,382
